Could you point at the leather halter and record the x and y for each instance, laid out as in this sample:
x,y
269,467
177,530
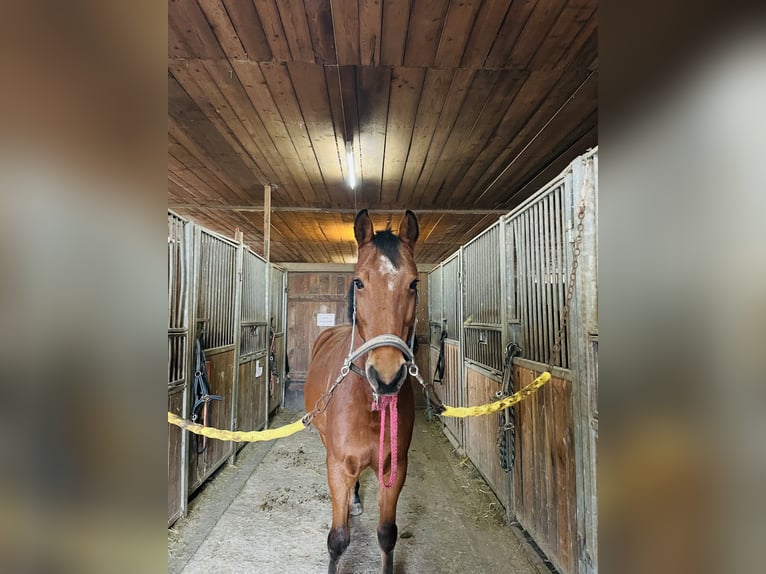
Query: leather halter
x,y
386,340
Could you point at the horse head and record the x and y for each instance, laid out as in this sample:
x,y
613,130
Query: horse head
x,y
384,291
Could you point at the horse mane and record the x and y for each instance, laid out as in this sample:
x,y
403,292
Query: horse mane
x,y
388,244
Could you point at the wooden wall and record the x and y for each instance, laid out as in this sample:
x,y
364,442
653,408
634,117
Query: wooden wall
x,y
481,434
544,474
307,295
175,406
221,378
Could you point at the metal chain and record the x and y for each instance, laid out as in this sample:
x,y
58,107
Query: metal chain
x,y
576,249
320,405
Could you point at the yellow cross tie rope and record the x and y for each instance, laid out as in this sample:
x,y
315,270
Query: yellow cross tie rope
x,y
292,428
236,436
463,412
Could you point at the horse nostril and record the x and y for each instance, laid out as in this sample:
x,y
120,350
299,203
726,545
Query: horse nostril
x,y
383,387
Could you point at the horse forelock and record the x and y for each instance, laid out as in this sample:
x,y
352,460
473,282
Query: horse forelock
x,y
388,245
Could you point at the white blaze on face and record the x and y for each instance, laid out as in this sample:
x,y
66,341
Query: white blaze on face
x,y
388,270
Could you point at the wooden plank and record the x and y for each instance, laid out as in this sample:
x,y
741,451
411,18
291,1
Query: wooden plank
x,y
195,79
248,26
188,21
237,110
254,84
484,32
424,31
370,31
514,23
296,28
541,20
430,104
181,45
396,14
341,92
456,95
373,85
406,87
485,126
175,403
221,378
562,93
575,16
280,85
224,31
272,27
489,162
310,87
545,488
345,19
219,153
476,98
458,22
564,474
319,17
481,433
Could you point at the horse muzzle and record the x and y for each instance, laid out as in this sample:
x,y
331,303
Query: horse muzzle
x,y
387,363
382,386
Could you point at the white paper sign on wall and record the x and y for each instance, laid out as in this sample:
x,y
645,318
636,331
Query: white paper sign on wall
x,y
258,368
325,319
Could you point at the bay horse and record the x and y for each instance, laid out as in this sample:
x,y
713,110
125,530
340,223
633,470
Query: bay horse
x,y
383,300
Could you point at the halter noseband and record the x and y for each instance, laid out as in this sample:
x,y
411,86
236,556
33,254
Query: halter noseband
x,y
387,340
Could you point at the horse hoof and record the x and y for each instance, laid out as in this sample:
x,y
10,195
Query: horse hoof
x,y
355,509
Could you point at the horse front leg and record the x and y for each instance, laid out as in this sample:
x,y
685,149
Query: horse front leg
x,y
388,498
339,537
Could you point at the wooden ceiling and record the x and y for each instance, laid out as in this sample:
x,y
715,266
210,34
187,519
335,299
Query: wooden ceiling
x,y
456,109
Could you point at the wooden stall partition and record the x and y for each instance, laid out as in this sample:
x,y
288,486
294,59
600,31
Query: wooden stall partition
x,y
175,467
251,407
544,473
453,393
310,294
221,377
481,433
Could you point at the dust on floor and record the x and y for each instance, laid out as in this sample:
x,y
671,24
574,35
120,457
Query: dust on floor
x,y
270,513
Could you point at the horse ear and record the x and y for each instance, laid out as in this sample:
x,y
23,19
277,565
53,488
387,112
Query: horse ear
x,y
409,230
363,230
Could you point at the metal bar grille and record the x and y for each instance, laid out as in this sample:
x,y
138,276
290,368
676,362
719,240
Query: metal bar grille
x,y
482,310
178,299
435,305
538,234
215,307
276,299
451,297
254,326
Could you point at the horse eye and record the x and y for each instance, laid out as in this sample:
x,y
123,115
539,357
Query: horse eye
x,y
414,284
358,284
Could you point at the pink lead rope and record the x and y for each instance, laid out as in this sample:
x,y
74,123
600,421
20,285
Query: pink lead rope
x,y
388,401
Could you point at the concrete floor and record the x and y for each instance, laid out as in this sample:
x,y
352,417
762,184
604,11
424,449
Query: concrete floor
x,y
270,513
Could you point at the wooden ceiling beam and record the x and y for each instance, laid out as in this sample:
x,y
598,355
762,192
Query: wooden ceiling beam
x,y
304,209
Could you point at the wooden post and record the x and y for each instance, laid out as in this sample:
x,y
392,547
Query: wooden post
x,y
267,222
267,284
